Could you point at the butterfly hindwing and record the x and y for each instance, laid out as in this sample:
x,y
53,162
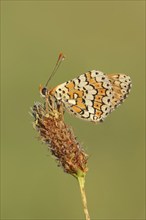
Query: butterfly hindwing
x,y
93,95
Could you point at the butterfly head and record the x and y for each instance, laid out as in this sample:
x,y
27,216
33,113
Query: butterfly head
x,y
43,91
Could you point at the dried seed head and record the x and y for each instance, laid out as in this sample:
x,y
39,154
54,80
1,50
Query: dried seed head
x,y
60,139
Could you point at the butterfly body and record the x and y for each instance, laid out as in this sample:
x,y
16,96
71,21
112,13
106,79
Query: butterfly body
x,y
93,95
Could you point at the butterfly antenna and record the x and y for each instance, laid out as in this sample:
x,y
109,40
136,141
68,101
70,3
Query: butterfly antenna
x,y
61,57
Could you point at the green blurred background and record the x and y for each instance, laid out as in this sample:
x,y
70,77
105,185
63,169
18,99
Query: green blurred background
x,y
102,35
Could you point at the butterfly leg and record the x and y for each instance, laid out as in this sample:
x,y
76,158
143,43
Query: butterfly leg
x,y
46,104
61,110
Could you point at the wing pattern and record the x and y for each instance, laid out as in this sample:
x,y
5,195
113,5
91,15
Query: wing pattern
x,y
93,95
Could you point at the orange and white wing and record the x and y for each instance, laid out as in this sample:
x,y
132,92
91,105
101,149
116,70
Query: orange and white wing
x,y
93,95
121,85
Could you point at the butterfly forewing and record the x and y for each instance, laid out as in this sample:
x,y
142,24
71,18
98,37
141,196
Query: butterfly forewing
x,y
121,85
93,95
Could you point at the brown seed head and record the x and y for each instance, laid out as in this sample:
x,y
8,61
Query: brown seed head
x,y
60,139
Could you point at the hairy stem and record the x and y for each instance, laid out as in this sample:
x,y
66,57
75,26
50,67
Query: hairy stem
x,y
81,180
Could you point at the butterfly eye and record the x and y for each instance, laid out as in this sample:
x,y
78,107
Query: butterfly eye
x,y
44,91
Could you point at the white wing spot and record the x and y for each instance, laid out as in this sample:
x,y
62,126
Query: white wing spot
x,y
72,101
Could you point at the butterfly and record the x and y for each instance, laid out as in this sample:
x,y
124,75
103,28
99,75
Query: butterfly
x,y
92,96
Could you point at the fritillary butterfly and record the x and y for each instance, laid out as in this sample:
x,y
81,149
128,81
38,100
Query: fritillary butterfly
x,y
92,96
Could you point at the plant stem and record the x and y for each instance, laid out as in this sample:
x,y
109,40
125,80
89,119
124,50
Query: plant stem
x,y
81,180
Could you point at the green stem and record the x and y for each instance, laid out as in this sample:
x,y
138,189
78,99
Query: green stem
x,y
81,180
